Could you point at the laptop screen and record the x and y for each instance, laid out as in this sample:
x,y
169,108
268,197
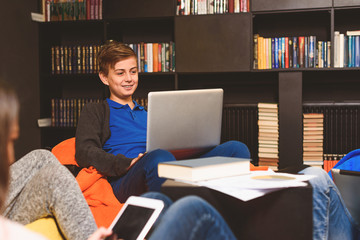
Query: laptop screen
x,y
184,119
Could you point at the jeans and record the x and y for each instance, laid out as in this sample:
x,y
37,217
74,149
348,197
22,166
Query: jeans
x,y
189,218
143,176
331,219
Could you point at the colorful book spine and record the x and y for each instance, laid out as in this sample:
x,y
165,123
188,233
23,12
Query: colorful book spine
x,y
286,52
324,47
301,51
291,50
283,52
295,52
272,53
350,41
311,51
306,52
357,51
276,53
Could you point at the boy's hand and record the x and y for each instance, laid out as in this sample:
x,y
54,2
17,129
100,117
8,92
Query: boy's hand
x,y
136,159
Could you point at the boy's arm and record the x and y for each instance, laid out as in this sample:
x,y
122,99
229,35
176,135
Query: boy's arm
x,y
88,144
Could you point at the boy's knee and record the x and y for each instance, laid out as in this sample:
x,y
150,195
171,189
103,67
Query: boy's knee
x,y
46,155
191,201
160,155
160,196
240,149
321,181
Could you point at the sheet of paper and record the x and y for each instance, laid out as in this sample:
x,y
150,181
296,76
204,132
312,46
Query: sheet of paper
x,y
255,184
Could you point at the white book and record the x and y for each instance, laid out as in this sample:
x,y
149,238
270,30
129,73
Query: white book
x,y
353,33
138,57
37,17
336,48
268,105
150,57
341,50
44,122
210,6
201,7
204,168
187,7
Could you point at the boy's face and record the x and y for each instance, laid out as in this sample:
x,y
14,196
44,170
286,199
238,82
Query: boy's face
x,y
122,80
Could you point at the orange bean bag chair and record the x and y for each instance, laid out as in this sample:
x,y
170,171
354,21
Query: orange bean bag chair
x,y
94,186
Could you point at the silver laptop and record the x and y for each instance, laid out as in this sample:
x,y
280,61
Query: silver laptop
x,y
184,119
348,183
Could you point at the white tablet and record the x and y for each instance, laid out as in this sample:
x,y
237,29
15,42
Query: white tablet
x,y
136,218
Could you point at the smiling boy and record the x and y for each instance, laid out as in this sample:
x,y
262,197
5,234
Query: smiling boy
x,y
111,135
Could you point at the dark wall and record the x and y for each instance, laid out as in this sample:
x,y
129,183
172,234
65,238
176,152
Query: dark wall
x,y
19,66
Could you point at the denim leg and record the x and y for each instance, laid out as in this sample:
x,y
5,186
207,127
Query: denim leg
x,y
192,218
142,177
160,196
229,149
167,203
331,219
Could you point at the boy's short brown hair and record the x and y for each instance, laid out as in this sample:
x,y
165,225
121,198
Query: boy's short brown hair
x,y
111,53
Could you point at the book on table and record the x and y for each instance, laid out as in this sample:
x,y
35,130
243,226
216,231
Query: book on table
x,y
204,168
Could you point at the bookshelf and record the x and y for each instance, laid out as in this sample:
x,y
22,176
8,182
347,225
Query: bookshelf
x,y
214,50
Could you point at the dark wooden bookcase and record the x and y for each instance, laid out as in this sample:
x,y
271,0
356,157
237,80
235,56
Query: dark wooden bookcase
x,y
214,51
213,43
264,5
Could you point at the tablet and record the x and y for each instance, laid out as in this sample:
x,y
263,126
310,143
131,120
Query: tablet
x,y
136,217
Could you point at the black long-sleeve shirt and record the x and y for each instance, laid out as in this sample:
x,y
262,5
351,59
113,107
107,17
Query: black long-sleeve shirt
x,y
93,130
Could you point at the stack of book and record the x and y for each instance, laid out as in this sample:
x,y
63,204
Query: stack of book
x,y
268,122
313,139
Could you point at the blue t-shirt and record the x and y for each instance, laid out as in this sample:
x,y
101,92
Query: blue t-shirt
x,y
128,130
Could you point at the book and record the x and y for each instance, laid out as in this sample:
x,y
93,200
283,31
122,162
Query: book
x,y
268,134
155,57
268,114
286,52
204,168
353,33
268,155
313,115
268,123
268,105
274,118
313,154
268,161
313,149
336,48
268,150
308,137
301,52
37,17
313,120
255,65
295,52
273,142
313,144
313,140
269,130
